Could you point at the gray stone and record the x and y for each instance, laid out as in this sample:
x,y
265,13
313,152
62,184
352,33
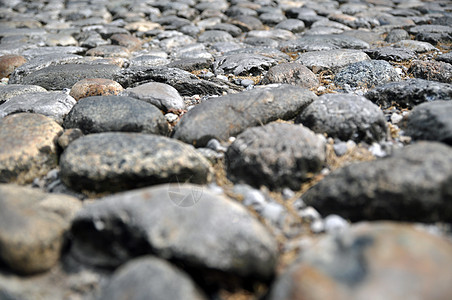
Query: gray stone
x,y
416,46
114,161
431,121
276,155
243,64
231,29
32,227
432,70
292,73
432,33
366,74
293,25
411,185
247,23
115,113
391,54
213,36
29,147
65,76
36,52
271,19
180,222
345,116
229,115
323,42
446,57
261,42
377,260
190,65
397,35
159,94
11,90
409,93
149,277
55,105
148,61
331,60
275,34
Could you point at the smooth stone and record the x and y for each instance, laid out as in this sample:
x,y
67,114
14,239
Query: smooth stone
x,y
276,155
235,112
8,63
345,116
95,87
292,25
431,121
214,36
11,90
366,75
36,52
416,46
331,60
261,42
68,136
115,161
126,40
409,93
431,70
242,64
291,73
377,260
162,95
397,35
148,277
29,148
323,42
432,33
65,76
55,105
200,229
109,51
33,225
115,113
276,34
247,23
391,54
413,184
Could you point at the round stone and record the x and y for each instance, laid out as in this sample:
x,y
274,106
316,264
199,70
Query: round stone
x,y
95,87
8,63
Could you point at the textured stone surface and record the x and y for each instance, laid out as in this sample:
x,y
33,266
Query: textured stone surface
x,y
28,147
116,113
319,61
8,63
432,70
11,90
291,73
95,87
323,42
243,64
117,161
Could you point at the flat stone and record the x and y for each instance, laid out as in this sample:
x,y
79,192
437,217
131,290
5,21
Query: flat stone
x,y
55,105
229,115
446,57
409,93
366,74
109,162
115,113
109,51
151,277
411,185
331,60
33,225
191,65
323,42
29,147
148,61
345,116
276,155
243,64
159,94
213,36
432,70
11,90
431,121
397,35
391,54
247,23
36,52
275,34
126,40
382,259
416,46
291,73
432,33
8,63
65,76
184,223
292,25
229,28
95,87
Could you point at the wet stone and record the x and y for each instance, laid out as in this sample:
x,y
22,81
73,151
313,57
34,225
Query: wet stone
x,y
54,105
109,162
432,70
8,63
431,121
331,60
409,93
291,73
11,90
95,87
345,116
243,64
275,155
115,113
29,147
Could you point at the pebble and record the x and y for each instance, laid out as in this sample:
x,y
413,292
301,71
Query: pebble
x,y
95,87
291,73
8,63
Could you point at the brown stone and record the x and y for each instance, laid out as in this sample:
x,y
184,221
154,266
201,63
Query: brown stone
x,y
68,136
381,260
126,40
109,51
95,87
28,147
8,63
432,70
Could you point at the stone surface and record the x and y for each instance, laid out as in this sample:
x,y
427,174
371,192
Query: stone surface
x,y
184,223
319,61
391,54
32,227
28,147
8,63
162,95
323,42
291,73
365,75
236,112
11,90
371,261
411,185
95,87
243,64
149,277
115,113
431,121
345,116
109,51
409,93
108,162
432,70
276,155
55,105
416,46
